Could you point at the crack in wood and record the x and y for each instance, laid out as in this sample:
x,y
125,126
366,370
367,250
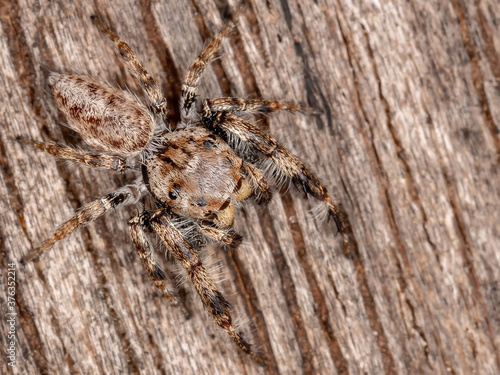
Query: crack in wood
x,y
289,291
477,75
368,300
322,312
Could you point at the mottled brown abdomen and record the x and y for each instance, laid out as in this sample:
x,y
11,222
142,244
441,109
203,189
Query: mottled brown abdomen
x,y
108,119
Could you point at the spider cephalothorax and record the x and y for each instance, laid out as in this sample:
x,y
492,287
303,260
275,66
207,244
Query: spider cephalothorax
x,y
198,171
198,175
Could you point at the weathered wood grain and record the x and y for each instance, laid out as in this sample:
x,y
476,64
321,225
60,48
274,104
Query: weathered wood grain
x,y
408,142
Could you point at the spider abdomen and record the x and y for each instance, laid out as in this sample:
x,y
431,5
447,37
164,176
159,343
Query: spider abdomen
x,y
107,119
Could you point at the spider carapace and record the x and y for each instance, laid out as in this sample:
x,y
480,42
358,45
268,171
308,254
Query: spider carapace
x,y
197,172
197,175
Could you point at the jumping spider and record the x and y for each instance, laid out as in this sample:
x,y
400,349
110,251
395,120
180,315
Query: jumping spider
x,y
199,171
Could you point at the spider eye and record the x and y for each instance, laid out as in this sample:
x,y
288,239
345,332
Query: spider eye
x,y
174,193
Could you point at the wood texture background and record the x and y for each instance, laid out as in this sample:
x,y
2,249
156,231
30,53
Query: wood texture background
x,y
408,142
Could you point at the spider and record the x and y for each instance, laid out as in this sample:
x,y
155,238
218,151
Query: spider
x,y
196,172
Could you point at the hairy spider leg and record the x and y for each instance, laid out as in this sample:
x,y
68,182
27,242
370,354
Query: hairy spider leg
x,y
230,104
90,212
190,84
226,237
184,253
145,79
261,188
90,159
284,161
146,253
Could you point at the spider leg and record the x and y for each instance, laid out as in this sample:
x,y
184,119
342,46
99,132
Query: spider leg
x,y
227,237
90,159
253,106
145,79
283,162
212,299
261,189
146,253
190,84
90,212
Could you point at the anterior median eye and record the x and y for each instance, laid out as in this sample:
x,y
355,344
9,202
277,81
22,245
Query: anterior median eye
x,y
174,193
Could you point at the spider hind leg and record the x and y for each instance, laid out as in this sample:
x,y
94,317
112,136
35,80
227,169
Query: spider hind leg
x,y
90,159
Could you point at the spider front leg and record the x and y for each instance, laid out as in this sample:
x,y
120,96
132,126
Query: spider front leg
x,y
184,253
253,106
90,212
146,253
282,162
145,79
90,159
189,88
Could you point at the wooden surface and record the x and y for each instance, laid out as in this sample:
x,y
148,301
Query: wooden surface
x,y
408,142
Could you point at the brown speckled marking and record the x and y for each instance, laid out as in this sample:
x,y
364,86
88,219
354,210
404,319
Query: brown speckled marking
x,y
146,253
108,119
